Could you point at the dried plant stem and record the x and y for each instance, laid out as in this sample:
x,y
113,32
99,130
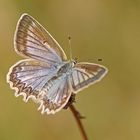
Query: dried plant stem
x,y
78,118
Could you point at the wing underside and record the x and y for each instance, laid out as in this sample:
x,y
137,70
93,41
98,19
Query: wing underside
x,y
55,95
28,77
33,41
85,74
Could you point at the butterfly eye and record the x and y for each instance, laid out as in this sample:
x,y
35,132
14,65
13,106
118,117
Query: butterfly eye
x,y
74,62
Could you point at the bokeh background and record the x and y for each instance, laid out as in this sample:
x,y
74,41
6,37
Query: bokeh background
x,y
107,30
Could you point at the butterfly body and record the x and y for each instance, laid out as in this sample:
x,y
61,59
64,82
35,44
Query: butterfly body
x,y
45,74
66,68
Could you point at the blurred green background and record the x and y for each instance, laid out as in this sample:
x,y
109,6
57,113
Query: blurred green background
x,y
107,29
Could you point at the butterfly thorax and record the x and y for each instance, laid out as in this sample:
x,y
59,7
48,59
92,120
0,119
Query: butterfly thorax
x,y
66,68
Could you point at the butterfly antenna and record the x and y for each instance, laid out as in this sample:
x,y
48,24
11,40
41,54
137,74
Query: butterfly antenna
x,y
70,48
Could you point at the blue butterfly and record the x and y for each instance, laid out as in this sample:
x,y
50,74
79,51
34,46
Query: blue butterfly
x,y
46,75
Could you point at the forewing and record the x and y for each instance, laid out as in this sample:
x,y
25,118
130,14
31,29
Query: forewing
x,y
28,77
55,95
85,74
33,41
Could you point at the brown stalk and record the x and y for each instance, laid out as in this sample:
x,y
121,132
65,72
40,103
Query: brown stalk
x,y
78,118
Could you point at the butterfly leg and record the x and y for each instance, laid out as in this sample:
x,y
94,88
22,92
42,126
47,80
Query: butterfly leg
x,y
71,101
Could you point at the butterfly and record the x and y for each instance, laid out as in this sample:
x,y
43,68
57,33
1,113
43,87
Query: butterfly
x,y
45,75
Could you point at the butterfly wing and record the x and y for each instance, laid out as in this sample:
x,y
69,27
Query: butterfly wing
x,y
33,41
85,74
28,77
55,94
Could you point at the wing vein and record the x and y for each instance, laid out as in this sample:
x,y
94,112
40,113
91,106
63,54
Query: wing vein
x,y
31,77
38,83
39,49
37,56
29,36
78,78
40,38
27,40
84,73
36,29
33,70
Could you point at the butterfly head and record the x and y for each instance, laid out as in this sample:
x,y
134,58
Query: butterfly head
x,y
73,62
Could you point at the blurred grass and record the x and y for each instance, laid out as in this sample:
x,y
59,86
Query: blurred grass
x,y
99,29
